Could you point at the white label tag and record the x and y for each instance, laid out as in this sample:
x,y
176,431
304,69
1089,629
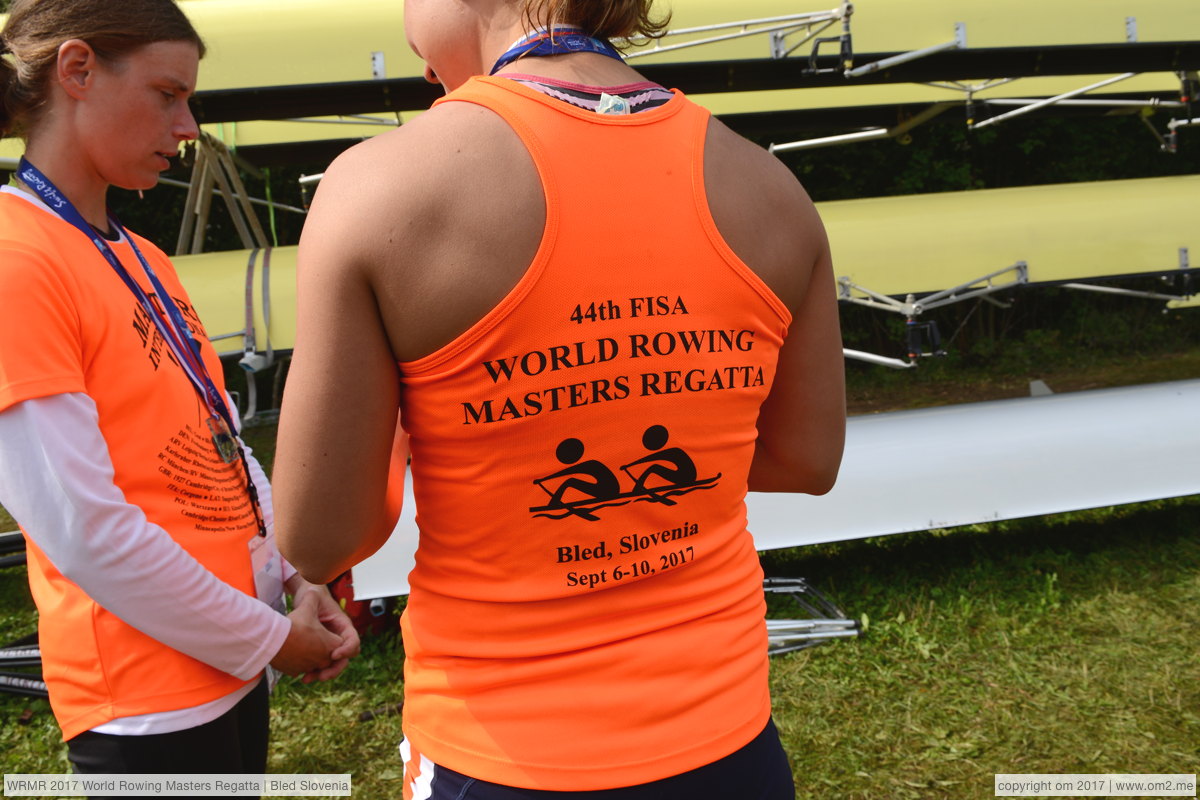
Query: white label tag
x,y
612,104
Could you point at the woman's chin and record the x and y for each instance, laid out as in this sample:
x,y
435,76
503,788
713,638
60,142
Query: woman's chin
x,y
138,183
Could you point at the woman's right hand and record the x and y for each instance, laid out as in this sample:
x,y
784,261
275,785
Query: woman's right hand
x,y
309,645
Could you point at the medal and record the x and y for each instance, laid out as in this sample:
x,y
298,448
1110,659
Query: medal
x,y
223,439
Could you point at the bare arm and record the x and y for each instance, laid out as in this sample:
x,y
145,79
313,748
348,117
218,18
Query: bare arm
x,y
406,246
802,424
332,467
770,222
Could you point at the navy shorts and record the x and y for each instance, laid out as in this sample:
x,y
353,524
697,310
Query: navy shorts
x,y
759,771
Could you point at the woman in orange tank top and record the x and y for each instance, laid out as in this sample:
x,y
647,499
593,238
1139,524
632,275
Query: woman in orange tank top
x,y
600,318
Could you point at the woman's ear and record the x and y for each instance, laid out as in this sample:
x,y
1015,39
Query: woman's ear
x,y
76,65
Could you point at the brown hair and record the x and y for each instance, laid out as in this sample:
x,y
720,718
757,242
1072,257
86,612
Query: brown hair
x,y
606,19
36,29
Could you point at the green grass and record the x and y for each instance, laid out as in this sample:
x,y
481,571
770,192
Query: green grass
x,y
1053,645
1057,644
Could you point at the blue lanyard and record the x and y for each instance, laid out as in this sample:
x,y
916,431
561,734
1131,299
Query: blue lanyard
x,y
173,328
557,41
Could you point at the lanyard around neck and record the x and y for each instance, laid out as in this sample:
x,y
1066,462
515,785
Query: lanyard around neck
x,y
555,41
173,328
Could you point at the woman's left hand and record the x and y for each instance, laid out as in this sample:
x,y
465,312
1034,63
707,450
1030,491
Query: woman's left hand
x,y
335,621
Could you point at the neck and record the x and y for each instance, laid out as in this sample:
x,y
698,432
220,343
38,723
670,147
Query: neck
x,y
68,171
588,68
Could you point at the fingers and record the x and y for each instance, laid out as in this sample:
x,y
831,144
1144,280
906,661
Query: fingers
x,y
325,673
329,642
335,620
342,626
319,653
349,648
330,634
330,672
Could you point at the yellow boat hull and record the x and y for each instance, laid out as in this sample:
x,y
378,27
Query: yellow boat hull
x,y
894,246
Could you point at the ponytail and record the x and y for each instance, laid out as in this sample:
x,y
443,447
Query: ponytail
x,y
14,100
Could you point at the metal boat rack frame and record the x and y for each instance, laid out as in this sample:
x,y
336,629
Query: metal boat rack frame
x,y
23,653
825,621
984,287
780,29
215,174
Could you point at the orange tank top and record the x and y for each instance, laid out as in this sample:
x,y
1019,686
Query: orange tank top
x,y
587,608
78,328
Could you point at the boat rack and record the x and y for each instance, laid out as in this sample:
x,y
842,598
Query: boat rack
x,y
22,653
825,621
779,28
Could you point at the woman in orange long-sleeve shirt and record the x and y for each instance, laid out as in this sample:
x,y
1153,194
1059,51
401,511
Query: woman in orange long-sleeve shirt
x,y
151,559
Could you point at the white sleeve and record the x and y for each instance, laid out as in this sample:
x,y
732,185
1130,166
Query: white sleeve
x,y
56,479
262,484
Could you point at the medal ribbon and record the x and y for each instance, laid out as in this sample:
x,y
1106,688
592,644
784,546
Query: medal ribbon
x,y
556,41
173,329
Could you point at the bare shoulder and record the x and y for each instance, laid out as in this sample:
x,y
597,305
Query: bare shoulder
x,y
737,155
416,168
440,217
763,212
431,142
438,172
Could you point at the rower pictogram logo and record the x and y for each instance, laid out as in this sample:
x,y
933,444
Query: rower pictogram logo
x,y
584,486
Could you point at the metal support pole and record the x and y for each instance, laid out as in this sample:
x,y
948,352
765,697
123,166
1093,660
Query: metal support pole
x,y
846,286
968,290
203,203
867,135
761,26
254,200
913,308
191,204
1151,103
243,202
227,193
959,43
215,171
1051,101
882,361
1087,287
841,138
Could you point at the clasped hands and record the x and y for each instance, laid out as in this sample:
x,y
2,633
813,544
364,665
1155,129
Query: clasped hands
x,y
322,639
